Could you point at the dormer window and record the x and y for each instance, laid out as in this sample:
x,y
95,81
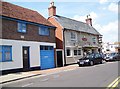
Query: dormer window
x,y
44,31
21,27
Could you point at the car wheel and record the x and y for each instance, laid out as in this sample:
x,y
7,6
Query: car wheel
x,y
79,65
106,60
101,62
91,63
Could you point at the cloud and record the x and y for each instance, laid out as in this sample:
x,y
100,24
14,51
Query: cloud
x,y
82,18
79,18
102,1
109,31
113,7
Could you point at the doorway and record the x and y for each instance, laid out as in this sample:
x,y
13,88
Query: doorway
x,y
59,59
26,63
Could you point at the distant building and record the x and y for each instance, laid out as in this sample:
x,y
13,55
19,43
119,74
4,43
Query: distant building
x,y
118,46
73,38
109,47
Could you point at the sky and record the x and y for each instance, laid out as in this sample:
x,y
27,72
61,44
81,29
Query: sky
x,y
104,13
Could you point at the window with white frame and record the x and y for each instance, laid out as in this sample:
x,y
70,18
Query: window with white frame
x,y
44,31
68,52
73,36
77,52
21,27
5,53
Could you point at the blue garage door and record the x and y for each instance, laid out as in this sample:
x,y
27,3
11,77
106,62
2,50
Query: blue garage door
x,y
47,57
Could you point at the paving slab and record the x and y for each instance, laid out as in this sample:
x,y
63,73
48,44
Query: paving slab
x,y
21,75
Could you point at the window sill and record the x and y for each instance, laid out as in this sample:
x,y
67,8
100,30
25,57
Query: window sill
x,y
68,56
77,55
73,56
21,32
45,35
73,39
7,61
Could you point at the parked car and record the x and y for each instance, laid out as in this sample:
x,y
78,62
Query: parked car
x,y
106,55
113,57
103,55
91,59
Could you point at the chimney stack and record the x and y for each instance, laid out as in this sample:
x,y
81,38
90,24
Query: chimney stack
x,y
52,9
89,20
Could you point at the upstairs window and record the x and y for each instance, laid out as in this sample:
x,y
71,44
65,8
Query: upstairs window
x,y
5,53
21,27
44,31
73,36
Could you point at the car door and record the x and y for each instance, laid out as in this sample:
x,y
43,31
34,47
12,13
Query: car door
x,y
118,56
97,58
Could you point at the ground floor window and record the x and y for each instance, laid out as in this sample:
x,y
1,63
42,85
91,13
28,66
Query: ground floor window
x,y
77,52
5,53
68,52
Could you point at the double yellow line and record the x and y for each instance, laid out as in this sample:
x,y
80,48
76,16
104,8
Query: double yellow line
x,y
114,83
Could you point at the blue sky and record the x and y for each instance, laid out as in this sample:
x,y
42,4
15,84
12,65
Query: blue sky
x,y
103,13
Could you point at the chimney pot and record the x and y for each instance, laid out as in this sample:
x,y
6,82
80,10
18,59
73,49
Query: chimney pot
x,y
89,20
52,9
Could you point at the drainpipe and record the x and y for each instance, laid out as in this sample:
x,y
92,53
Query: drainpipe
x,y
64,47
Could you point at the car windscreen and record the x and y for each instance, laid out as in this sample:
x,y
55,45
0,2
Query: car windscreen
x,y
112,54
90,56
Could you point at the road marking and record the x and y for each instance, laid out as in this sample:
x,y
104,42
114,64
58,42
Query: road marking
x,y
27,85
114,83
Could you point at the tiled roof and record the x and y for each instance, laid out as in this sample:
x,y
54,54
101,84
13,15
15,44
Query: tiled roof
x,y
71,24
17,12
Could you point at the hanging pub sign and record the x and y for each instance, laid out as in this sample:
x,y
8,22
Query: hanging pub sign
x,y
84,39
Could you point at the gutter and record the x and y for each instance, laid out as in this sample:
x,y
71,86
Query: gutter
x,y
64,47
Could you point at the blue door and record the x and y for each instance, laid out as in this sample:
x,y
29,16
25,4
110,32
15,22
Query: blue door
x,y
47,57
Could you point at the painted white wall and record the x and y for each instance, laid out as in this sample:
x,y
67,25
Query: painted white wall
x,y
17,58
78,43
110,46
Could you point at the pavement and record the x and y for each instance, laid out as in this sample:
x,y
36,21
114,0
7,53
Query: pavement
x,y
22,75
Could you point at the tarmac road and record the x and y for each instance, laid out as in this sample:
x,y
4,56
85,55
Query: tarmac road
x,y
100,75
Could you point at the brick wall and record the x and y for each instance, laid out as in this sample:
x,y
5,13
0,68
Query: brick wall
x,y
58,33
9,31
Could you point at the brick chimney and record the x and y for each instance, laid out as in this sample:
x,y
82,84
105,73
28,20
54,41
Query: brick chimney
x,y
89,20
52,9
